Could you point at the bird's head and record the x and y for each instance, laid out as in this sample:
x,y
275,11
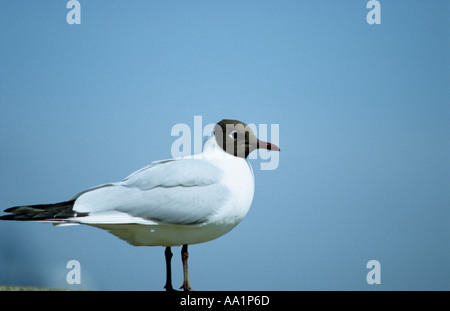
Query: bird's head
x,y
237,138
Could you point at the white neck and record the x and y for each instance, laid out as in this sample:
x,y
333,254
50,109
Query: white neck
x,y
212,150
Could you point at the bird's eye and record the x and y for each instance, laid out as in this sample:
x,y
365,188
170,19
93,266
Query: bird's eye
x,y
234,134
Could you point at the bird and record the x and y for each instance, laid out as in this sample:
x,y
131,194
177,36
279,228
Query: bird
x,y
174,202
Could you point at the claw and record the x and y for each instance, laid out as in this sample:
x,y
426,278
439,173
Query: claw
x,y
170,289
186,288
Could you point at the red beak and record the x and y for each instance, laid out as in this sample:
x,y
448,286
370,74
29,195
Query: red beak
x,y
265,145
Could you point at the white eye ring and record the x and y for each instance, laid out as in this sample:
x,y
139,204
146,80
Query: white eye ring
x,y
234,134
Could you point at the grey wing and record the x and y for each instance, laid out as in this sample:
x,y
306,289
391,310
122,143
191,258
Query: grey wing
x,y
184,191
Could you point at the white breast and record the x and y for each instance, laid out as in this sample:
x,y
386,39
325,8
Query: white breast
x,y
237,177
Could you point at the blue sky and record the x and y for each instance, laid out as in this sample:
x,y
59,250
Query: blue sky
x,y
362,109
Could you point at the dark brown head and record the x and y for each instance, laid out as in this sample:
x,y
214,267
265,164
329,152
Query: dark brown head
x,y
237,138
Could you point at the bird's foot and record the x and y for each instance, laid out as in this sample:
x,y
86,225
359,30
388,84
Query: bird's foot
x,y
169,288
187,288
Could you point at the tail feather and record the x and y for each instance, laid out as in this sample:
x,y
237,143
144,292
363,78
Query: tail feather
x,y
42,212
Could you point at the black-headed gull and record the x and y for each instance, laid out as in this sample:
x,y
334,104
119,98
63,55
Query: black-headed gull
x,y
181,201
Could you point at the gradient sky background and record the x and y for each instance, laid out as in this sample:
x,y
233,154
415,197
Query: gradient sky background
x,y
363,111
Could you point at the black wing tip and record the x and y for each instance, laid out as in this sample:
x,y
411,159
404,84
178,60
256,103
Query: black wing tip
x,y
7,217
41,212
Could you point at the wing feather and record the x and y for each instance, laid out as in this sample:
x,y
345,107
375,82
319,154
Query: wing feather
x,y
184,191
